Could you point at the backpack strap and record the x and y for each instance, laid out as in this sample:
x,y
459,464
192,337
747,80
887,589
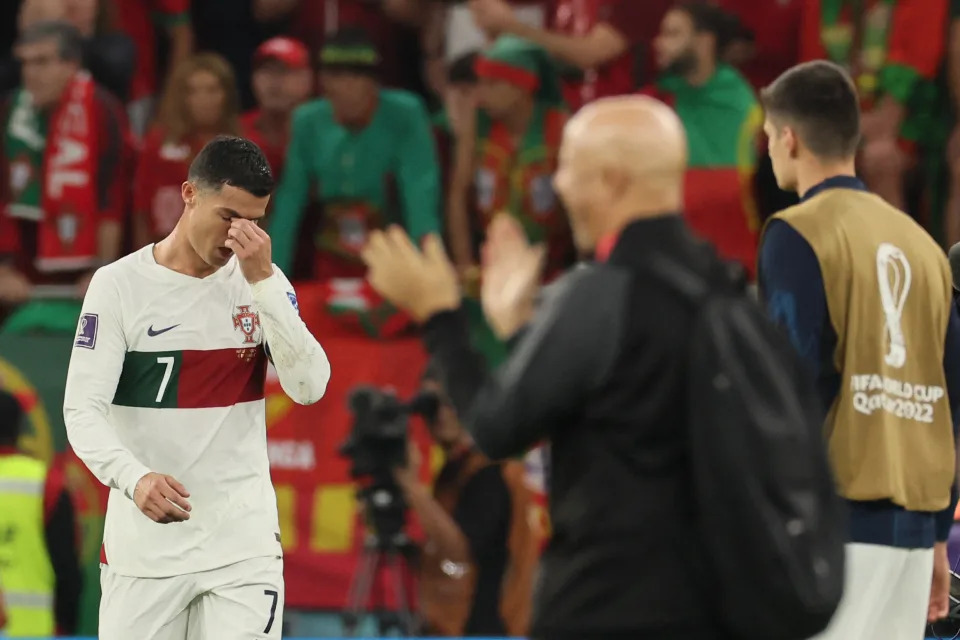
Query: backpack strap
x,y
695,287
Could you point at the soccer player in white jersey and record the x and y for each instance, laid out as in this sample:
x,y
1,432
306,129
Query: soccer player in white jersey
x,y
165,404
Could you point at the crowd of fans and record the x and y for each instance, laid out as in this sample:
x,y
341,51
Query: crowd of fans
x,y
434,115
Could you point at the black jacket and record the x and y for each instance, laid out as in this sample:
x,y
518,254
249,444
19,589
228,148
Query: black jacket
x,y
600,373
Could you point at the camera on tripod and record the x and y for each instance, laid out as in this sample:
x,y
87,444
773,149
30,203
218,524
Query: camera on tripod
x,y
376,445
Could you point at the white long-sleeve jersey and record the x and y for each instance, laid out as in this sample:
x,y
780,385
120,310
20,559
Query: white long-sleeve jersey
x,y
167,375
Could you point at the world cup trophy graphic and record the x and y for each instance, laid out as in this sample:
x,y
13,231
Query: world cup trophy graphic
x,y
893,275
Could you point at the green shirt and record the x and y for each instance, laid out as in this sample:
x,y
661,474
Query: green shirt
x,y
356,167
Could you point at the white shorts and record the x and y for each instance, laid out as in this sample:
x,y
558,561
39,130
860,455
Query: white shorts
x,y
242,601
886,594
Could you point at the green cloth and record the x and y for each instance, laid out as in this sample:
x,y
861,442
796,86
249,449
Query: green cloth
x,y
482,337
347,165
721,118
44,316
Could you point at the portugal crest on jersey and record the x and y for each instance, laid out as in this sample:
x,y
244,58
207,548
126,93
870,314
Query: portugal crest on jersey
x,y
248,322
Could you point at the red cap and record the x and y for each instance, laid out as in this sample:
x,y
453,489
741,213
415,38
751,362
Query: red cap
x,y
287,50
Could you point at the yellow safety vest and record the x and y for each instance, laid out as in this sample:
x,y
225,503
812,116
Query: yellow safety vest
x,y
25,569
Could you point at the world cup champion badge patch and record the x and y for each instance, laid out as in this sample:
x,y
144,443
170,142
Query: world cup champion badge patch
x,y
248,322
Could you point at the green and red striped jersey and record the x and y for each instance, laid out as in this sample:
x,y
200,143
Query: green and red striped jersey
x,y
167,375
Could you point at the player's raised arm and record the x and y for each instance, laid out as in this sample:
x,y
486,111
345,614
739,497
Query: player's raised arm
x,y
301,363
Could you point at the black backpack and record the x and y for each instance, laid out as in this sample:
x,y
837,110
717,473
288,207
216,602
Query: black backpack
x,y
771,523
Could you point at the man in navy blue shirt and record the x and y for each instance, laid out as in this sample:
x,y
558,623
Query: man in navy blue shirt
x,y
844,260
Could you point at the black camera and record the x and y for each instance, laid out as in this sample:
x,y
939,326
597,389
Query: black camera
x,y
376,445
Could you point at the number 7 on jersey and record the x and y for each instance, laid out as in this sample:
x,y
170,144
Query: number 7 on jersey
x,y
168,361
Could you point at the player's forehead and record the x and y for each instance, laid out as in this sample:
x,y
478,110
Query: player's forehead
x,y
236,202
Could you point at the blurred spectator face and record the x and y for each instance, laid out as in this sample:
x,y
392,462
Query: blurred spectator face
x,y
280,88
209,215
45,74
206,99
675,45
498,97
352,95
446,429
782,147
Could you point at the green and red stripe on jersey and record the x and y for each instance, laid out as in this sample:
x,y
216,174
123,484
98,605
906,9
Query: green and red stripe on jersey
x,y
192,379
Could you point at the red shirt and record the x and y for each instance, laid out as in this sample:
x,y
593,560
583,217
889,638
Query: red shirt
x,y
251,128
136,18
776,28
162,168
637,20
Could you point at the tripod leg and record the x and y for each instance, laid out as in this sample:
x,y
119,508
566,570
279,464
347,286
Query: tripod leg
x,y
358,597
407,620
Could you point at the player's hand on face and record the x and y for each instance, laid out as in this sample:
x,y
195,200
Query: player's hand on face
x,y
162,499
421,283
251,244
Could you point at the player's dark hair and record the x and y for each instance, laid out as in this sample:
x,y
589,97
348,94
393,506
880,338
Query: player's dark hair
x,y
11,416
68,38
228,160
708,18
819,101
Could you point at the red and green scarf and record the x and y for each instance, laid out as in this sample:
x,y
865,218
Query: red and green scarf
x,y
52,175
516,176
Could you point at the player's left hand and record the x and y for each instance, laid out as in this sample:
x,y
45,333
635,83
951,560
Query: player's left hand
x,y
251,244
940,589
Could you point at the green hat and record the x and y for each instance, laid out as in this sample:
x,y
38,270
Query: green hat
x,y
351,50
521,63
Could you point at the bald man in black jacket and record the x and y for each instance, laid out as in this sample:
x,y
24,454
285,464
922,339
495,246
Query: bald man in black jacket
x,y
599,370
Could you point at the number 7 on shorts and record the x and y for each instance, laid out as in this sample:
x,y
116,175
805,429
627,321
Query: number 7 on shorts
x,y
273,608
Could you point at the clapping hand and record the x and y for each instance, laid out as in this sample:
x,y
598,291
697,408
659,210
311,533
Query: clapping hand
x,y
422,283
512,269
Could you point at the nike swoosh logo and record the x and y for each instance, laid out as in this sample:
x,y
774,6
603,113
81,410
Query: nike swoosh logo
x,y
152,333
